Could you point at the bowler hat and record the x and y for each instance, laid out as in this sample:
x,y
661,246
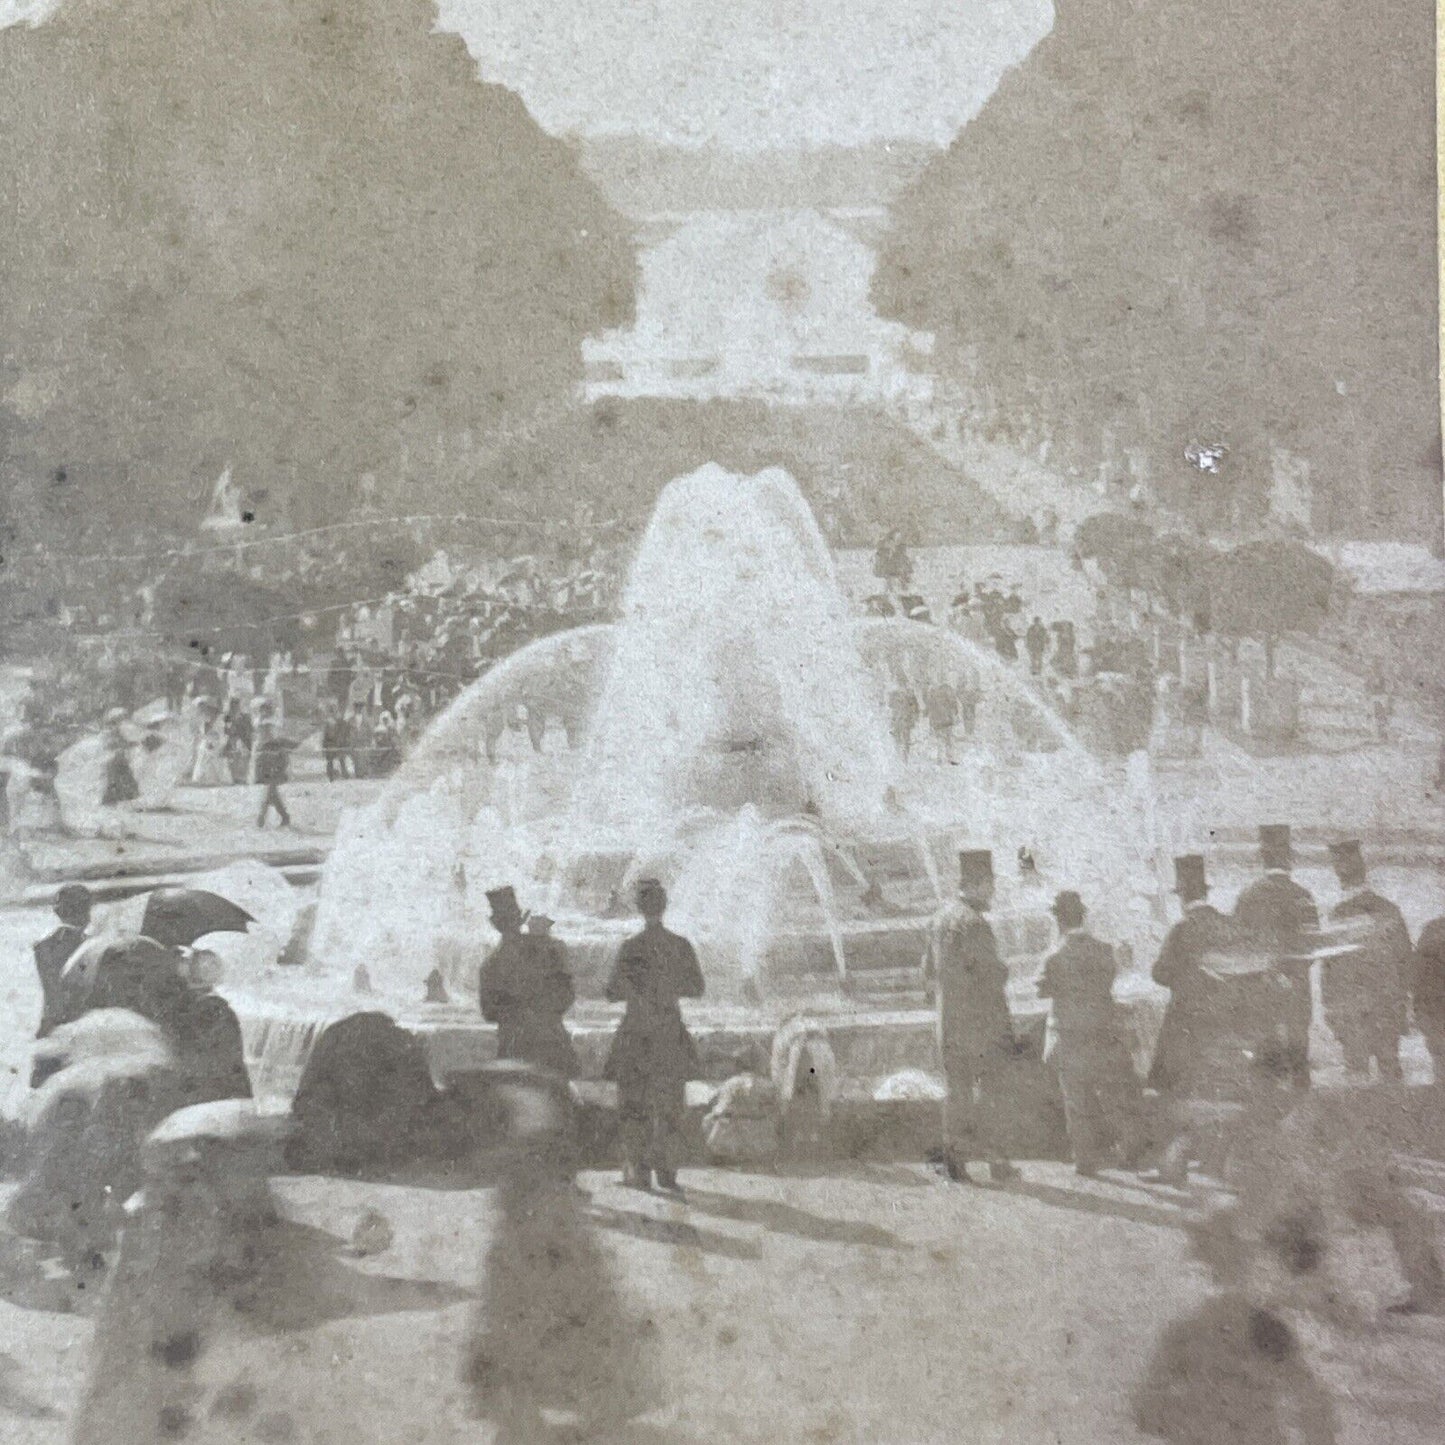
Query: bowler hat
x,y
504,905
975,867
1069,909
1274,844
1348,861
1189,880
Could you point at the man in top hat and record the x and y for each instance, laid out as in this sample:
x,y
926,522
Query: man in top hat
x,y
1213,1016
526,990
1365,977
653,1055
1096,1074
975,1033
1278,915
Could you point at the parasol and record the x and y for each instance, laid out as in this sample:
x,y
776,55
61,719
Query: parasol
x,y
177,917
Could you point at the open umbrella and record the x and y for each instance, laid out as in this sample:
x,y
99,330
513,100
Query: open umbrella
x,y
177,917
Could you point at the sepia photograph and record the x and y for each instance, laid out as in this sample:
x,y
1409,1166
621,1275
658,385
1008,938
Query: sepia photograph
x,y
721,724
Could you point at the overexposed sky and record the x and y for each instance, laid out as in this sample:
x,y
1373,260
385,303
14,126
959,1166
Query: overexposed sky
x,y
751,74
742,74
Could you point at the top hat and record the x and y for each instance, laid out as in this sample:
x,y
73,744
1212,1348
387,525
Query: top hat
x,y
975,867
1069,909
504,905
1189,880
1348,861
1274,844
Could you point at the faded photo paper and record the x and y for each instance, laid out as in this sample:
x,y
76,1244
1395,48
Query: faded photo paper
x,y
720,722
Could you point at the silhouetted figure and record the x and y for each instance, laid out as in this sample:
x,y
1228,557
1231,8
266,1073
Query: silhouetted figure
x,y
550,1331
1036,641
975,1033
120,780
903,712
1065,660
1217,1009
336,746
526,990
1096,1073
273,767
1428,991
942,708
1278,915
1365,985
652,1055
53,952
1233,1370
240,738
892,563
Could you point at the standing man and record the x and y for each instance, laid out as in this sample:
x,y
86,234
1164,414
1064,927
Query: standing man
x,y
1101,1092
273,767
336,744
1365,983
653,1055
1036,640
975,1034
942,708
903,712
1278,916
526,990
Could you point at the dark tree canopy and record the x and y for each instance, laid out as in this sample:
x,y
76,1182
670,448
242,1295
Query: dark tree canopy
x,y
1181,222
292,236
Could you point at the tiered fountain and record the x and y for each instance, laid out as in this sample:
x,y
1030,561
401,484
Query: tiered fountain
x,y
732,739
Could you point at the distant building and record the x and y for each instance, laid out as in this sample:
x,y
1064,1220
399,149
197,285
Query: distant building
x,y
755,277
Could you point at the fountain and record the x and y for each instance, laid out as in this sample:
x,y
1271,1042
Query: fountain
x,y
729,734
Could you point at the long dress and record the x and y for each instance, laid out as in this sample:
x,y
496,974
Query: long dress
x,y
210,770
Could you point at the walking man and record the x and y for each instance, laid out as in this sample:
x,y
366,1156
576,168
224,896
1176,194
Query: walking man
x,y
653,1055
1096,1074
1277,915
273,767
526,990
1364,984
975,1033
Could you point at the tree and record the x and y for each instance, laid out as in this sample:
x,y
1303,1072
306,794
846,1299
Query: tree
x,y
290,236
1269,587
1181,225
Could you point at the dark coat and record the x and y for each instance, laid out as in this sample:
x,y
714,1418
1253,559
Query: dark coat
x,y
273,760
1280,916
654,969
1428,983
525,990
1209,1021
1370,983
1079,977
975,1032
52,953
120,783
